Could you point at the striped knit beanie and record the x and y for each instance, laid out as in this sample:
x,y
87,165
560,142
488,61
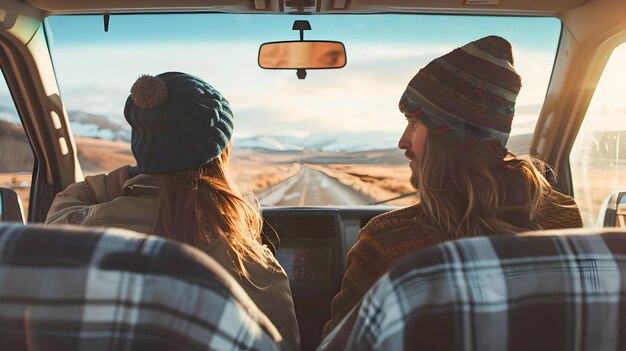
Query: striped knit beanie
x,y
467,97
179,122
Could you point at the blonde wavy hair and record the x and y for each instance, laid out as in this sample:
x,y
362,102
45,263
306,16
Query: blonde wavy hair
x,y
463,192
200,207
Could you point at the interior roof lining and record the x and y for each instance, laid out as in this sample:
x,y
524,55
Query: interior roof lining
x,y
208,11
510,7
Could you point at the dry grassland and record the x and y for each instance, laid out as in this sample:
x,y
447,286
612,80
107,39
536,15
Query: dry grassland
x,y
251,174
257,171
378,181
98,156
255,178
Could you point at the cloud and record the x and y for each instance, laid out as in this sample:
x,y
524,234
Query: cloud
x,y
361,97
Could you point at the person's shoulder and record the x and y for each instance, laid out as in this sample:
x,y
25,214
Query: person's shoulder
x,y
559,211
132,213
557,197
276,269
398,232
265,273
406,217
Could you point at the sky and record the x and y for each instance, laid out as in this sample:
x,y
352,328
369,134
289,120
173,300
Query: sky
x,y
96,69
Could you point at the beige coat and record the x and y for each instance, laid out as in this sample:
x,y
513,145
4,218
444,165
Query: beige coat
x,y
87,203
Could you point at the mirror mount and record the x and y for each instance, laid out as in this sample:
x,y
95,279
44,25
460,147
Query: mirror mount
x,y
301,73
301,26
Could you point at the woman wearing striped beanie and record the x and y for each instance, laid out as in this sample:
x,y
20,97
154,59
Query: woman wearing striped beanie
x,y
181,189
459,110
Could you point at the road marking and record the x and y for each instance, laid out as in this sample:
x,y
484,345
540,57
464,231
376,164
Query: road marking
x,y
330,189
275,194
304,189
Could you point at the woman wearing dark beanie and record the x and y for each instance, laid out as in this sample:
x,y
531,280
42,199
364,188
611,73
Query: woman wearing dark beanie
x,y
459,110
181,189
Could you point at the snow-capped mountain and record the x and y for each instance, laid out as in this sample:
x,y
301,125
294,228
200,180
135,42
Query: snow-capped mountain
x,y
266,143
339,141
83,124
91,125
86,124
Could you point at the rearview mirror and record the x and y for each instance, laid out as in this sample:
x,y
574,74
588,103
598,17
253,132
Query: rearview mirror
x,y
304,54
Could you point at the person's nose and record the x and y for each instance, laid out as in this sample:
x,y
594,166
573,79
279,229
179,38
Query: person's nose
x,y
405,140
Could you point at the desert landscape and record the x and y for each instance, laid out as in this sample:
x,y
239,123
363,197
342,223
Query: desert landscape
x,y
376,174
254,170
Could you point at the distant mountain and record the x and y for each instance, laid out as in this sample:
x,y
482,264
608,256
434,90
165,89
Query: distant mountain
x,y
83,124
331,142
386,156
348,142
267,143
90,125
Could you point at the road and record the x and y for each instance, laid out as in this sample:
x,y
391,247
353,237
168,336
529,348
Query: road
x,y
312,187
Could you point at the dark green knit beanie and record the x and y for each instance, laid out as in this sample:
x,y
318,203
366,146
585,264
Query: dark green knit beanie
x,y
178,121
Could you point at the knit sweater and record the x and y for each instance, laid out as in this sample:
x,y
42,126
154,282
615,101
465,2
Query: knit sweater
x,y
391,235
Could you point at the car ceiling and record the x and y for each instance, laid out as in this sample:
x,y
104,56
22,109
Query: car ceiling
x,y
502,7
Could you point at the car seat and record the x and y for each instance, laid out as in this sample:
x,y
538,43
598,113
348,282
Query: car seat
x,y
71,288
545,290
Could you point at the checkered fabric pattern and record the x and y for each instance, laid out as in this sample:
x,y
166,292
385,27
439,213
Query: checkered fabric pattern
x,y
467,97
552,291
69,288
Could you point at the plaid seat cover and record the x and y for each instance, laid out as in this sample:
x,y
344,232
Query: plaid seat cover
x,y
535,291
69,288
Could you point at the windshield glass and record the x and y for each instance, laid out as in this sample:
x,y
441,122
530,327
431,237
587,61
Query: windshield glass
x,y
330,139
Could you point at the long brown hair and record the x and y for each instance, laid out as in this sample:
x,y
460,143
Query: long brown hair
x,y
200,207
463,192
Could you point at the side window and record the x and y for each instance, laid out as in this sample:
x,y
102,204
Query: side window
x,y
598,158
16,155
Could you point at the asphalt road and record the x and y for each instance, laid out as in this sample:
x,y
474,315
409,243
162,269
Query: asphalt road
x,y
312,187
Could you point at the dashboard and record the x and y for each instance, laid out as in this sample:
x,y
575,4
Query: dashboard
x,y
311,243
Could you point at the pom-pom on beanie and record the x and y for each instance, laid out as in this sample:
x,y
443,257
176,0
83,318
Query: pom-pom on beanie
x,y
179,122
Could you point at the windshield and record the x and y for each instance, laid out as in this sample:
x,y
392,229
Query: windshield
x,y
330,139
